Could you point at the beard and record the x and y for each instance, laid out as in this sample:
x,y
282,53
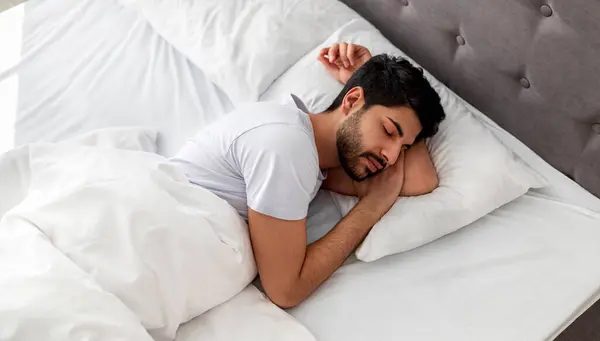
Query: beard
x,y
350,148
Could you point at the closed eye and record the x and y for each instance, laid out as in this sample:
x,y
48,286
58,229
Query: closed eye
x,y
397,126
387,132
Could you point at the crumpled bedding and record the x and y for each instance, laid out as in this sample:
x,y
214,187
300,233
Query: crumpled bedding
x,y
112,244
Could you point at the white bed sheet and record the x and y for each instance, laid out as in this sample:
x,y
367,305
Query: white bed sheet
x,y
524,272
94,64
521,273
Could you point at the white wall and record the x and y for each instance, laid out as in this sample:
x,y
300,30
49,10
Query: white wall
x,y
11,22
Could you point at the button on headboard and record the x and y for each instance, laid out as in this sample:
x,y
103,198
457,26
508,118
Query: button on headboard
x,y
532,66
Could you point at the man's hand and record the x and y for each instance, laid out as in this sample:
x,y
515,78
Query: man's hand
x,y
386,186
341,60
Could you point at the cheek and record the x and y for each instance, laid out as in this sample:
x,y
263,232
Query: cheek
x,y
373,142
368,145
372,135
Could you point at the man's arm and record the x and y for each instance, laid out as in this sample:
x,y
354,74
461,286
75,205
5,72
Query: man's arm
x,y
289,270
420,176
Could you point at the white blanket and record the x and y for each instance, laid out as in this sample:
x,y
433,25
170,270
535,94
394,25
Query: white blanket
x,y
109,242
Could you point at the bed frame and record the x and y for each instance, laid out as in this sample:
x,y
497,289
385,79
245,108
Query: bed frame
x,y
533,66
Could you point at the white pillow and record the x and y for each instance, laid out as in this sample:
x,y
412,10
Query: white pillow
x,y
247,316
167,249
309,80
127,138
477,172
243,46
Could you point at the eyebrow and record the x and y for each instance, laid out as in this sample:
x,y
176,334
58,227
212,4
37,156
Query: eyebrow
x,y
397,125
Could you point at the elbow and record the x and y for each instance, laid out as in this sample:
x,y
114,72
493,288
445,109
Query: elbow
x,y
431,183
284,302
425,184
284,298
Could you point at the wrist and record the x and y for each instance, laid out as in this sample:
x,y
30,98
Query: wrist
x,y
379,204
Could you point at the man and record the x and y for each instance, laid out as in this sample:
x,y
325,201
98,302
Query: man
x,y
268,161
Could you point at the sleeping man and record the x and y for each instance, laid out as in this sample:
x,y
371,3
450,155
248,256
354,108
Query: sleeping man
x,y
268,160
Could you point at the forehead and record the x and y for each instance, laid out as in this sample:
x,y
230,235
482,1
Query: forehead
x,y
405,116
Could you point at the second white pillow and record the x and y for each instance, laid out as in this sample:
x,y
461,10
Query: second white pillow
x,y
243,46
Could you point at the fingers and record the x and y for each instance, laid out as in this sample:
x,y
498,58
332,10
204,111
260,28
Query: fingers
x,y
324,51
344,54
351,55
333,53
330,67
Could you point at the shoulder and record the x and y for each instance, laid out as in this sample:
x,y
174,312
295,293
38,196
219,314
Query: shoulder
x,y
286,144
281,147
283,130
282,136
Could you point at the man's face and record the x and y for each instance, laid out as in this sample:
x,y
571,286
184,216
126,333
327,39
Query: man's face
x,y
370,140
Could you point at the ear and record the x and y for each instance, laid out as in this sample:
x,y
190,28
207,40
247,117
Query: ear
x,y
354,99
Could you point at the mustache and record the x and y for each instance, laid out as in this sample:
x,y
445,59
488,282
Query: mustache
x,y
379,160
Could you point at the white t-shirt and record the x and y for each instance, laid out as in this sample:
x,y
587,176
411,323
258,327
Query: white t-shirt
x,y
261,155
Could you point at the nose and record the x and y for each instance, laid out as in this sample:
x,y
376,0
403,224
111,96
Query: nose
x,y
391,152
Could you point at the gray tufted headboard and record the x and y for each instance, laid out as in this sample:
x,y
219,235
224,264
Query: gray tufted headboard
x,y
533,66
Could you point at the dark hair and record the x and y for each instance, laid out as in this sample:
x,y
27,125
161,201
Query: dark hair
x,y
394,81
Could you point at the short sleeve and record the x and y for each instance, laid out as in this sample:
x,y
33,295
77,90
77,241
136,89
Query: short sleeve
x,y
280,167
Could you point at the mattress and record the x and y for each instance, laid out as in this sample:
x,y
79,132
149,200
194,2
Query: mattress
x,y
521,273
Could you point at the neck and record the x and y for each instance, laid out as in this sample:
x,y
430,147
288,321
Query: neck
x,y
325,127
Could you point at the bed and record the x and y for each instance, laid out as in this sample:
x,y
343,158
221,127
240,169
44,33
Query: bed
x,y
524,272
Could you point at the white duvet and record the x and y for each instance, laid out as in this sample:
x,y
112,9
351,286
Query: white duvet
x,y
114,245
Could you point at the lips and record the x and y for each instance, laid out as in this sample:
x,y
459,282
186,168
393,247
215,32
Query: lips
x,y
370,165
373,165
